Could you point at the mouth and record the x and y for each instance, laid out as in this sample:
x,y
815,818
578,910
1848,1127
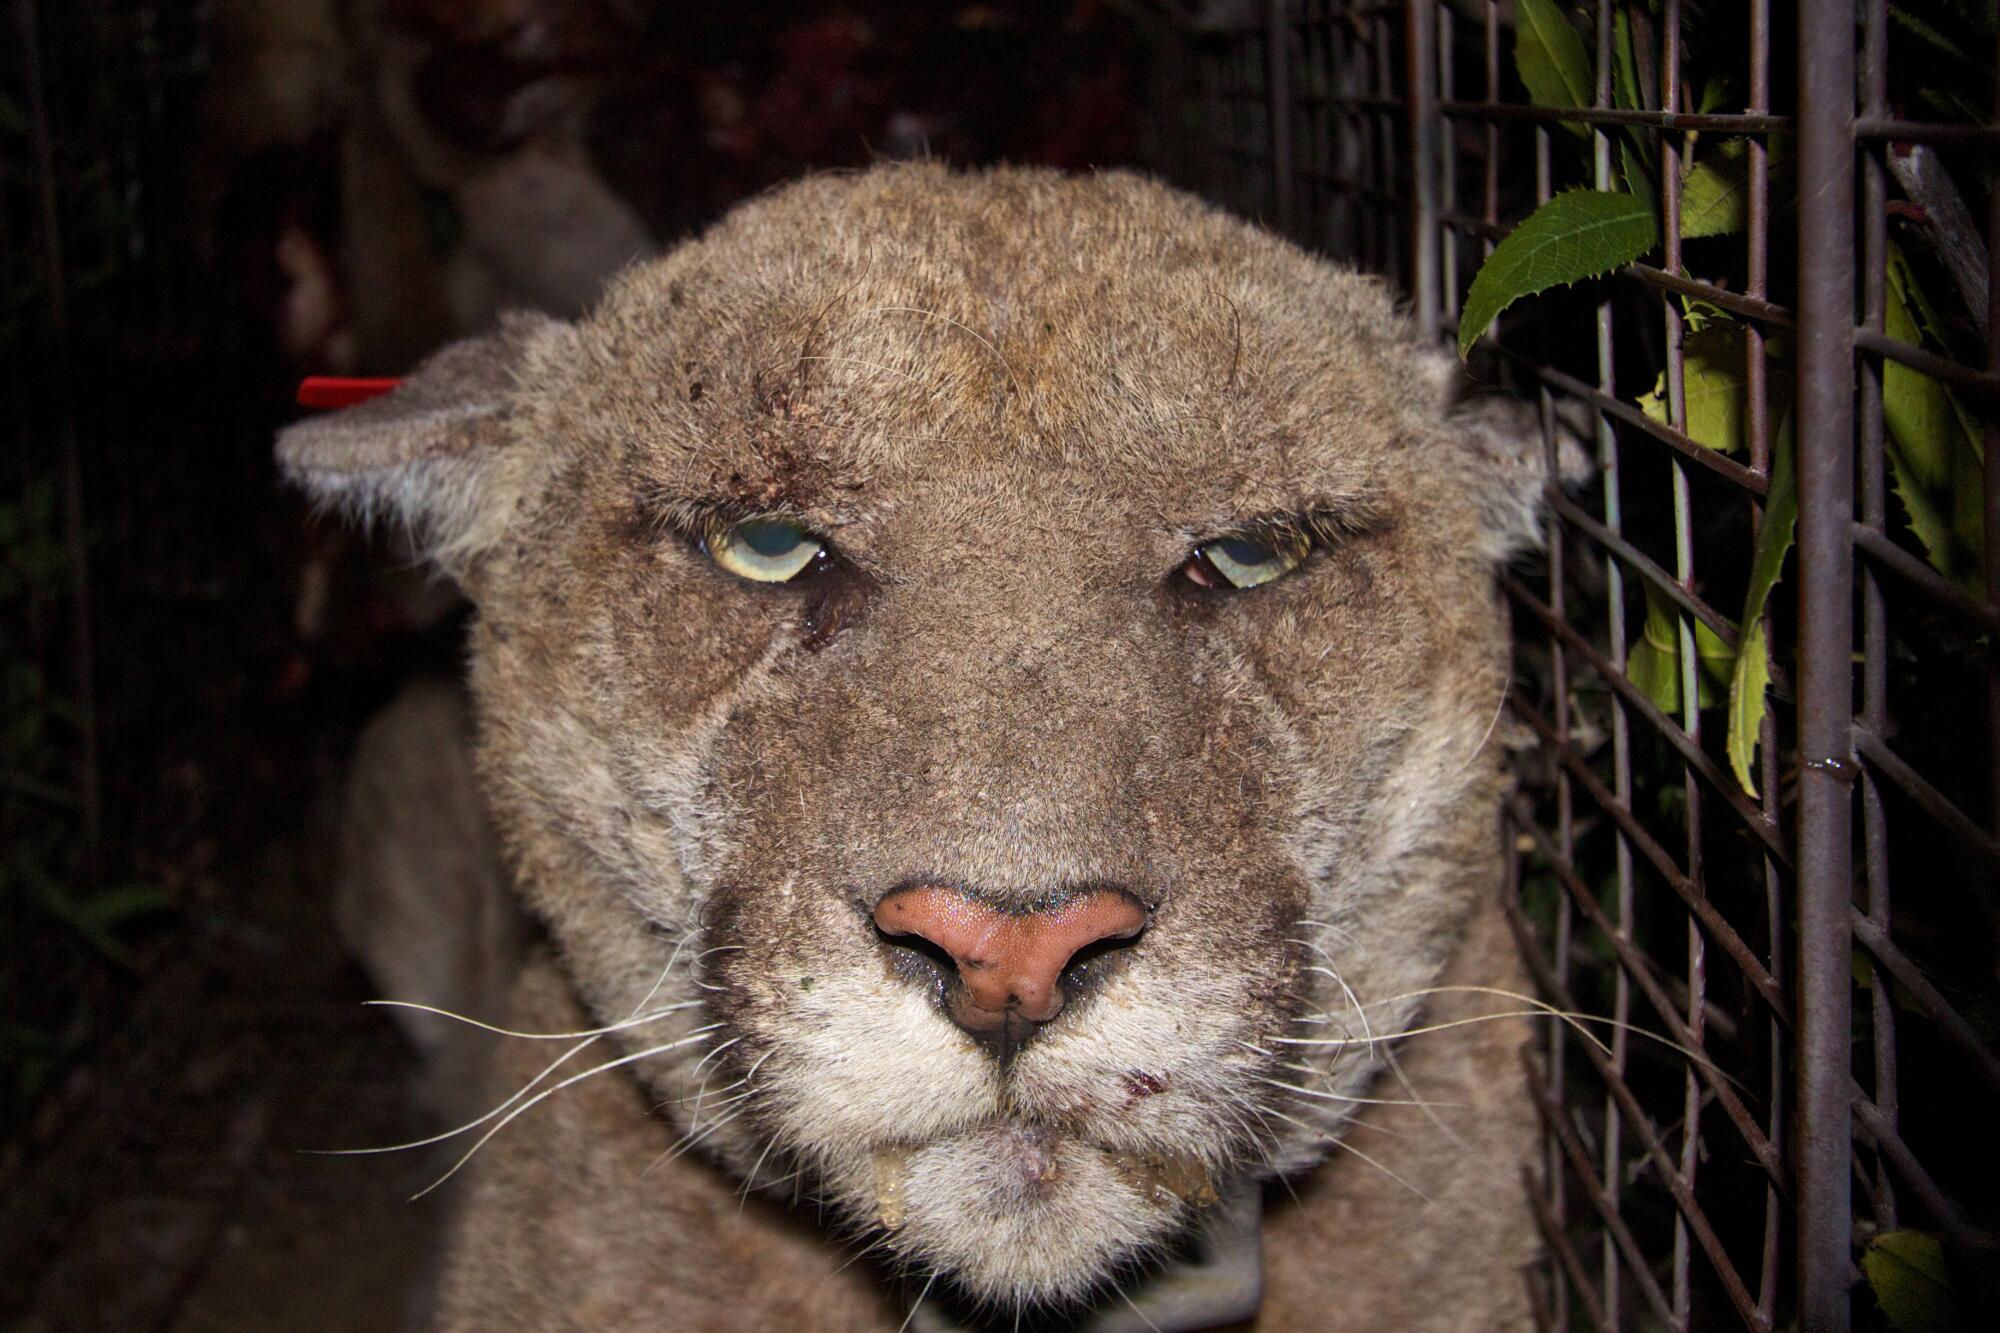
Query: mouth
x,y
1026,1163
1028,1214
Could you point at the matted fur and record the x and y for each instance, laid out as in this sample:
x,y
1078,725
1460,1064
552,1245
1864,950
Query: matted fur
x,y
1012,401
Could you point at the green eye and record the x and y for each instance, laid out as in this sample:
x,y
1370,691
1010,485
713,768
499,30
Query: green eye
x,y
1243,562
765,550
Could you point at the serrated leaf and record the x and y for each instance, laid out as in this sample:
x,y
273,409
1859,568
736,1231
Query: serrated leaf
x,y
1715,193
1929,445
1576,235
1907,1273
1550,59
1654,662
1751,673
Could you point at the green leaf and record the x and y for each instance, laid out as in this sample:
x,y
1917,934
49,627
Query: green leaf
x,y
1927,34
109,908
1933,456
1951,104
1751,673
1624,64
1638,176
1654,662
1715,381
97,917
1576,235
1715,193
1550,58
1906,1272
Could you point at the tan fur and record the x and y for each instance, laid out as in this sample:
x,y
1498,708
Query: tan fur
x,y
1013,402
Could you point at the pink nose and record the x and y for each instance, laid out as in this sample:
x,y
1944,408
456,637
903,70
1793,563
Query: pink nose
x,y
1009,962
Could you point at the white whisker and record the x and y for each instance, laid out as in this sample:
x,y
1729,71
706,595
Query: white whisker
x,y
653,1017
661,980
1358,1101
1574,1020
904,1326
547,1093
523,1091
1336,1142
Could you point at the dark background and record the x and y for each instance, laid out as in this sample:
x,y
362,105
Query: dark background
x,y
200,202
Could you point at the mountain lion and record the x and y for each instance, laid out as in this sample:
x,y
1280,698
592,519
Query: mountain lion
x,y
987,683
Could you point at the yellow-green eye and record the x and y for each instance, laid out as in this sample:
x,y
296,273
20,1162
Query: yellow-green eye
x,y
765,550
1244,562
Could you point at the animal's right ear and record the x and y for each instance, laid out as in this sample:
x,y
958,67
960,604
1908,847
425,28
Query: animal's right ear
x,y
434,454
1500,451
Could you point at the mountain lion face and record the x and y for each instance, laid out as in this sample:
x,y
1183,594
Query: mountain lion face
x,y
990,675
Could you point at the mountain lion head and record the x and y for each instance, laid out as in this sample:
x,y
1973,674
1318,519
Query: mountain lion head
x,y
987,681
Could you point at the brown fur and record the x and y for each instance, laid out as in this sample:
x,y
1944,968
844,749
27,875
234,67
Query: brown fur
x,y
1013,402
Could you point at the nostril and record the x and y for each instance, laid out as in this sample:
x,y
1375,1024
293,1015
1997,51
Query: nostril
x,y
1094,959
918,958
1011,964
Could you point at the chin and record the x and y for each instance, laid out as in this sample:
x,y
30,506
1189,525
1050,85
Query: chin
x,y
1020,1215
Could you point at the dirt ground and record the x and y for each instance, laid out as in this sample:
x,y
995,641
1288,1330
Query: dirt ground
x,y
174,1187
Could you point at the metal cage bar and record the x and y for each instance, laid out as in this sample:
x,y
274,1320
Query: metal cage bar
x,y
1749,923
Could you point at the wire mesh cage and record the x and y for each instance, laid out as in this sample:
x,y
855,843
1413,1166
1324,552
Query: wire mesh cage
x,y
1756,807
1756,697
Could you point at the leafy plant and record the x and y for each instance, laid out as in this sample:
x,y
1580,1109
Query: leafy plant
x,y
1933,446
1906,1272
37,729
1576,235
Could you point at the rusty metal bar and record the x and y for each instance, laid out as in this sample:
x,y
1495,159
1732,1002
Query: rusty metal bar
x,y
1990,520
1825,415
1640,969
1777,1203
1945,594
1948,1216
1606,1205
1938,133
1663,1163
1558,1243
1714,460
1880,758
1719,930
1612,1179
1874,611
1925,998
1420,134
1542,115
1669,586
1737,303
1278,97
1691,754
1983,386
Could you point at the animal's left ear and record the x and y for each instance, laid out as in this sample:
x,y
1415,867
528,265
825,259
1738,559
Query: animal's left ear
x,y
1502,446
439,453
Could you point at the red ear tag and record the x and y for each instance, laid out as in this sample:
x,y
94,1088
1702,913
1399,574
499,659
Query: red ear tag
x,y
341,390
